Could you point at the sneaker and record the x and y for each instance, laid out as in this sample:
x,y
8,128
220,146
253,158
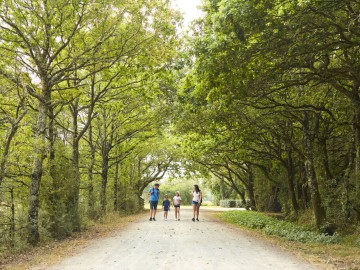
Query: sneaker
x,y
179,219
150,219
193,219
154,219
197,219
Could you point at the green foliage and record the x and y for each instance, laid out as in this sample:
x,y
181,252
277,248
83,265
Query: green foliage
x,y
357,242
185,189
276,227
83,87
259,69
232,204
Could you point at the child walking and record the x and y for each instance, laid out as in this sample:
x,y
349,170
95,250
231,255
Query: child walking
x,y
166,206
177,201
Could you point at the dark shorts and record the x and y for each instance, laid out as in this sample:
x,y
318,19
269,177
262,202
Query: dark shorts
x,y
177,205
195,203
166,209
153,205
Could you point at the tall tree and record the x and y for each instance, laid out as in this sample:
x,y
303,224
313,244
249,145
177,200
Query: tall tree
x,y
57,42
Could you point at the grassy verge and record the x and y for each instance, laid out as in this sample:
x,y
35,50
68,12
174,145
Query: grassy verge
x,y
328,252
50,253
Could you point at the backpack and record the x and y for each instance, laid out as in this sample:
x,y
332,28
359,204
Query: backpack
x,y
152,189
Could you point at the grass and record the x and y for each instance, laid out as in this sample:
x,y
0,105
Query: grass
x,y
328,252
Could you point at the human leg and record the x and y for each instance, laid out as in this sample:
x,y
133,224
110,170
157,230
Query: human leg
x,y
155,203
151,210
194,205
177,212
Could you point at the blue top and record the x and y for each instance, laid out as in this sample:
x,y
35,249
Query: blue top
x,y
154,196
166,204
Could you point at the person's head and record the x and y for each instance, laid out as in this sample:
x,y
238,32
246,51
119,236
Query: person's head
x,y
177,193
196,188
156,186
166,196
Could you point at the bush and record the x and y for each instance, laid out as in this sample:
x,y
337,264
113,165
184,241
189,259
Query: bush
x,y
273,226
231,204
185,190
357,243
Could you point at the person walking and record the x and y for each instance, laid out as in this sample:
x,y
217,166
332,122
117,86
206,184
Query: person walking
x,y
196,202
177,201
166,206
154,193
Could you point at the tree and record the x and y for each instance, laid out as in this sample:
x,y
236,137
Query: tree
x,y
264,75
59,45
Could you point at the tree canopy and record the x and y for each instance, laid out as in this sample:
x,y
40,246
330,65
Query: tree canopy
x,y
100,99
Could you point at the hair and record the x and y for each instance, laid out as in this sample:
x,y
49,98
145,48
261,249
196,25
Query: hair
x,y
197,189
156,185
166,196
177,192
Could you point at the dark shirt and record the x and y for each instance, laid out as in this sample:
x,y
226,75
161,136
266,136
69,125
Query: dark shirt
x,y
166,204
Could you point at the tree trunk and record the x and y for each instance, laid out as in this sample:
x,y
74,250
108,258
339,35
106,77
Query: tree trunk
x,y
6,148
104,175
243,199
308,141
10,135
37,171
290,180
12,218
74,198
116,180
56,211
250,189
222,189
273,203
91,197
325,158
77,135
356,128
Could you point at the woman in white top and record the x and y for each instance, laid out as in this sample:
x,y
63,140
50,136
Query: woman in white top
x,y
196,202
177,201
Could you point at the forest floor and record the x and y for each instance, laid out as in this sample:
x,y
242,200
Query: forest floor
x,y
134,242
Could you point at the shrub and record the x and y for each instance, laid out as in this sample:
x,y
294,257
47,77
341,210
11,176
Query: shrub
x,y
281,228
231,204
357,243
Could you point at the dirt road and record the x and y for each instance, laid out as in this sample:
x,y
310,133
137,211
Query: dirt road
x,y
207,244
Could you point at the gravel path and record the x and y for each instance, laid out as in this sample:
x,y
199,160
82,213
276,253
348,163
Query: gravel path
x,y
207,244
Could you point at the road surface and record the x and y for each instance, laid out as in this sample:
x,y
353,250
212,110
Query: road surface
x,y
184,244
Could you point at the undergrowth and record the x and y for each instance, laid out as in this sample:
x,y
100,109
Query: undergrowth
x,y
281,228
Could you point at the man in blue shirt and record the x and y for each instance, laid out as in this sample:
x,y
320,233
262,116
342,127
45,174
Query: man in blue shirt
x,y
154,193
